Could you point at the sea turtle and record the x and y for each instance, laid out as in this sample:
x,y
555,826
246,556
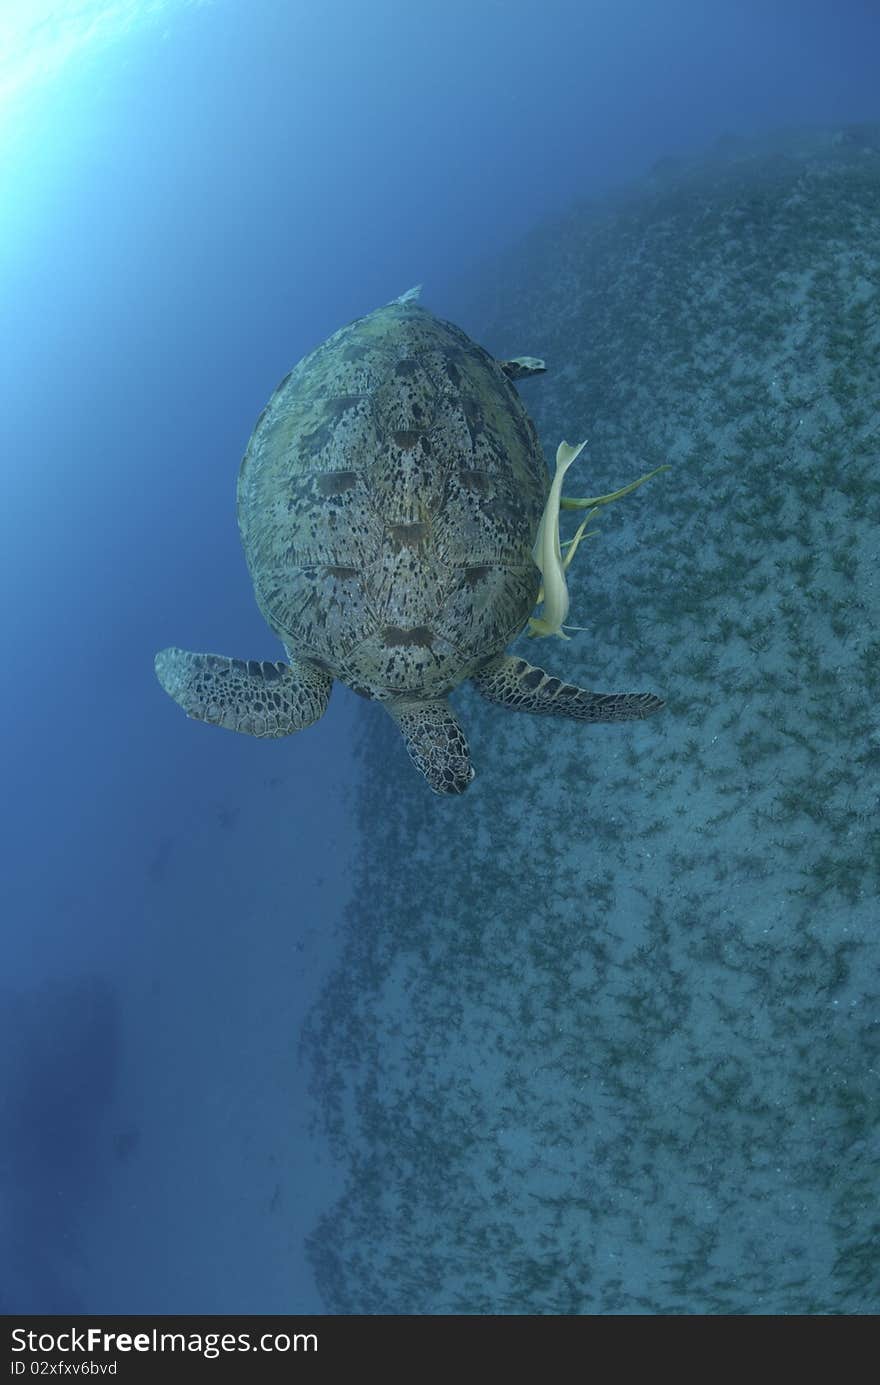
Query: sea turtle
x,y
399,526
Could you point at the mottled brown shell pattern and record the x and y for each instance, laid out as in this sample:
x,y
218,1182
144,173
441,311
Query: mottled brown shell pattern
x,y
388,501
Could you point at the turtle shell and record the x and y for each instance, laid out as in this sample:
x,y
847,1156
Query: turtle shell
x,y
388,502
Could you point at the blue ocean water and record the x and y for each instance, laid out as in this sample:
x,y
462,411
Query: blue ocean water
x,y
193,196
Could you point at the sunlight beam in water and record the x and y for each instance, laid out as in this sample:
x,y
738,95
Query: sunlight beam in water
x,y
40,38
56,56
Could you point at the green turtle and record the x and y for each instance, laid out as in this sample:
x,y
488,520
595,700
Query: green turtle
x,y
400,526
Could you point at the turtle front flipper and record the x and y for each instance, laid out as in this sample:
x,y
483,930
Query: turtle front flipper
x,y
515,683
260,699
436,743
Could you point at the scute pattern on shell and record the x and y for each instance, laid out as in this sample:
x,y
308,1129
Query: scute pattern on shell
x,y
388,501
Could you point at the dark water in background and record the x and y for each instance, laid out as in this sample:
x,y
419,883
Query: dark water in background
x,y
185,212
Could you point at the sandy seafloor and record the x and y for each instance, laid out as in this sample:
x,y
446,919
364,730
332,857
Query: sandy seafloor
x,y
603,1035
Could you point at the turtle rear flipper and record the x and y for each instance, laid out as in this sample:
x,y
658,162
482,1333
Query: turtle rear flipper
x,y
436,743
515,683
260,699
